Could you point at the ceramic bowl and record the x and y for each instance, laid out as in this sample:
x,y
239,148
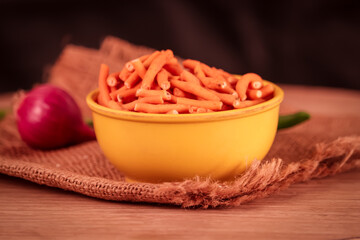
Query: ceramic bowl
x,y
171,147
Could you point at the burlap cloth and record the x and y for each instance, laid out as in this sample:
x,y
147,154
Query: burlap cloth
x,y
320,147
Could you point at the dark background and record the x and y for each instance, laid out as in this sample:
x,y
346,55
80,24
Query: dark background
x,y
299,42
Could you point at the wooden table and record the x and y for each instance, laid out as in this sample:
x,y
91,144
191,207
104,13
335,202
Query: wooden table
x,y
321,209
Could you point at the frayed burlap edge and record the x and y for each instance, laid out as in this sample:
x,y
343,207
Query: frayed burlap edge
x,y
260,180
265,178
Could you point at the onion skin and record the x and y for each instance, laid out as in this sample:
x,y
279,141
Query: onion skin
x,y
49,118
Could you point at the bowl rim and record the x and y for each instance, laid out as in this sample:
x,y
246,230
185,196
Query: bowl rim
x,y
194,117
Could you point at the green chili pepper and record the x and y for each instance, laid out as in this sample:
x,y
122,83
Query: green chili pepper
x,y
286,121
2,114
89,122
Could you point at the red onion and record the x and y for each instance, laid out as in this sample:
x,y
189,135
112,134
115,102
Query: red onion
x,y
48,118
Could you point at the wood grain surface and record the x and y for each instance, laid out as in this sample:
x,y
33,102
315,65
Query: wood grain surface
x,y
320,209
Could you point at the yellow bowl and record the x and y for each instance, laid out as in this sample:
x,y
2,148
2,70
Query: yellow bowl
x,y
171,147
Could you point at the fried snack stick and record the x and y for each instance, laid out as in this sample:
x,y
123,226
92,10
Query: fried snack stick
x,y
114,105
254,94
124,92
256,84
146,93
160,108
151,99
139,67
155,66
103,97
113,79
195,89
178,93
232,80
194,109
267,90
226,98
162,79
243,84
173,111
124,74
247,103
134,77
213,83
212,105
199,73
227,87
156,99
189,77
173,67
191,64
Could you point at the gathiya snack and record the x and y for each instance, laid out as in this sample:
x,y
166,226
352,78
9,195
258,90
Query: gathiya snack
x,y
158,83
